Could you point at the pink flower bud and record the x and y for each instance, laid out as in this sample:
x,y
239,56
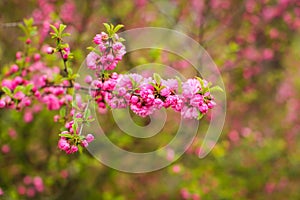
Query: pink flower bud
x,y
89,138
27,59
65,56
134,99
5,149
27,180
64,174
21,190
19,95
36,57
2,103
50,50
28,41
77,86
97,83
56,118
27,102
73,149
63,144
268,54
38,183
211,104
165,92
12,133
28,117
84,143
79,115
97,39
88,79
18,55
176,169
30,192
185,193
14,68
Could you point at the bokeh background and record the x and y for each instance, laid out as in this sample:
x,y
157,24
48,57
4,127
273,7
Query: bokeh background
x,y
256,46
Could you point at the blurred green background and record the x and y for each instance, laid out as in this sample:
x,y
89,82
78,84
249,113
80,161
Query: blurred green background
x,y
256,46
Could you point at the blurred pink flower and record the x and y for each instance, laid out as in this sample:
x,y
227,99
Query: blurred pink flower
x,y
5,148
176,168
38,184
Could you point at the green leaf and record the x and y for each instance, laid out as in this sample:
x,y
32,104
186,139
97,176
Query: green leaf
x,y
65,34
90,120
21,26
62,112
28,89
87,114
179,83
74,76
234,47
200,116
121,39
200,81
6,90
74,105
112,27
107,27
61,28
133,82
118,27
157,78
90,48
78,120
28,22
62,129
75,126
19,88
66,135
70,71
216,89
80,148
54,29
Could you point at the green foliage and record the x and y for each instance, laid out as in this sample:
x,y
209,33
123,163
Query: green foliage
x,y
111,29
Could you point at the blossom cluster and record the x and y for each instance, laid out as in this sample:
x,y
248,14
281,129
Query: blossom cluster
x,y
70,142
146,95
110,52
21,87
31,186
71,139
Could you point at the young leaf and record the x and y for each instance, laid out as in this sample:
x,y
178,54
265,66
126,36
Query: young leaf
x,y
201,82
112,27
62,27
179,84
66,135
118,27
54,29
65,34
62,112
90,48
200,116
157,78
216,89
87,114
6,90
107,27
28,88
19,88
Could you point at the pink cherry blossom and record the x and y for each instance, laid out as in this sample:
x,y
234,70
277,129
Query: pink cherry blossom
x,y
89,138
